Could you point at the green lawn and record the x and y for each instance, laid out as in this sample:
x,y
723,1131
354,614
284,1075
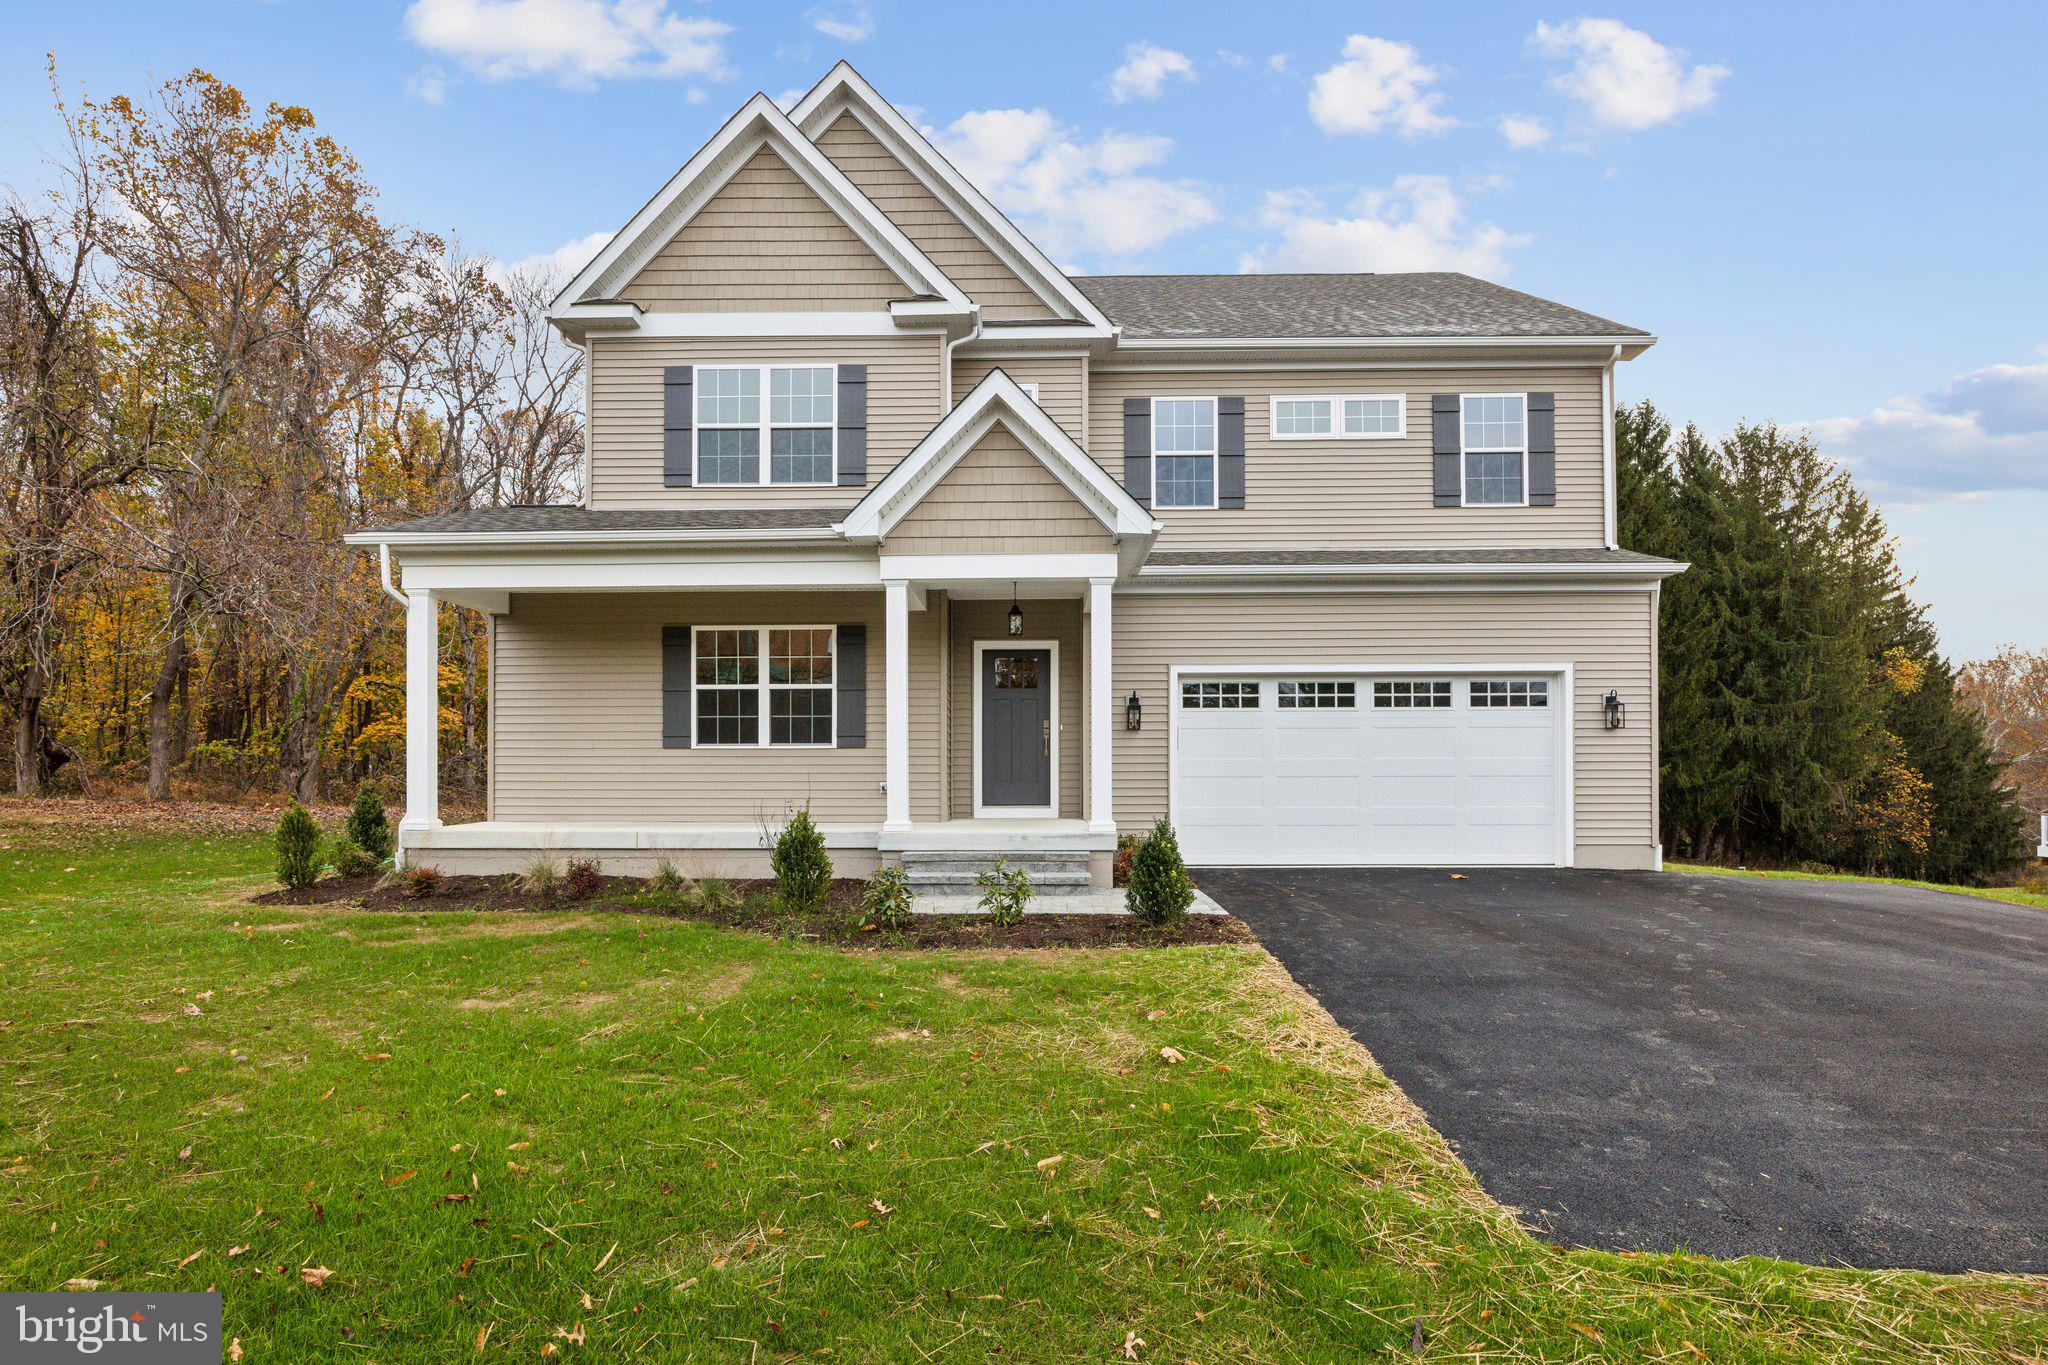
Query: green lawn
x,y
2013,895
625,1137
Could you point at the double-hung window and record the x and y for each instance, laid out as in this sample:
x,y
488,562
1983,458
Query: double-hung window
x,y
1340,416
794,425
745,673
1183,452
1494,435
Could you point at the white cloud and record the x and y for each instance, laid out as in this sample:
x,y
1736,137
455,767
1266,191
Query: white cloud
x,y
1624,77
1075,196
1524,130
849,23
1234,59
1379,84
1417,223
561,264
787,100
1277,63
576,42
1145,71
696,94
428,85
1986,432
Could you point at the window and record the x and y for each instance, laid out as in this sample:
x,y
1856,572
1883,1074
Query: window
x,y
1183,452
796,424
1511,692
1219,696
735,686
1319,417
1404,694
1030,390
1495,441
1318,696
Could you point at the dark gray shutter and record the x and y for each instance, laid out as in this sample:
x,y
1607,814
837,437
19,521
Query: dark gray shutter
x,y
1138,450
675,687
676,414
1446,450
1543,450
853,426
853,687
1230,452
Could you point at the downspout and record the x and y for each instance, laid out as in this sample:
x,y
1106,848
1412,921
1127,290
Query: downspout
x,y
384,566
1607,445
946,370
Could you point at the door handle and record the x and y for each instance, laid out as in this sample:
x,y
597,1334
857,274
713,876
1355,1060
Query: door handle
x,y
1048,739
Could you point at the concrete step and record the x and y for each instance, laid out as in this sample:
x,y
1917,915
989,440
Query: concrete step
x,y
1069,885
953,872
981,857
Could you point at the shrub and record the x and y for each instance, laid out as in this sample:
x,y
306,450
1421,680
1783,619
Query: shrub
x,y
353,860
298,848
1120,868
886,900
666,881
542,879
367,828
1161,890
1005,891
422,882
803,872
716,895
582,879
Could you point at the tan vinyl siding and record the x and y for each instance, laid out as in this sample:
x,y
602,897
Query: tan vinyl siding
x,y
1000,499
1605,635
576,716
1058,620
626,399
1062,385
765,243
952,246
1354,494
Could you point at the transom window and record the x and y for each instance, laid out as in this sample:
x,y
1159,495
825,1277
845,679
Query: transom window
x,y
796,424
736,686
1219,696
1318,695
1495,440
1183,452
1406,694
1511,692
1334,416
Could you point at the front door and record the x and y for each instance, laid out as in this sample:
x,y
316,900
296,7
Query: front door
x,y
1016,728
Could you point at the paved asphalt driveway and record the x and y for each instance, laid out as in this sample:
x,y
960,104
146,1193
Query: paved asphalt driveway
x,y
1823,1071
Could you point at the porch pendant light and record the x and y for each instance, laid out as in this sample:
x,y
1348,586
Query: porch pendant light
x,y
1016,612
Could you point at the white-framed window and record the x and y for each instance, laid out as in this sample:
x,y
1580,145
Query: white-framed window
x,y
1183,452
1318,695
795,426
744,676
1494,435
1339,416
1411,694
1519,693
1030,390
1219,696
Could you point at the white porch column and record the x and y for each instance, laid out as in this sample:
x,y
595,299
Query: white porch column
x,y
896,713
422,714
1101,708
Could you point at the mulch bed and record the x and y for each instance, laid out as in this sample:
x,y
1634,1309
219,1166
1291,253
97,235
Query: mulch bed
x,y
756,910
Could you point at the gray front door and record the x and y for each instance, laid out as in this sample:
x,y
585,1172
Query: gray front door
x,y
1016,727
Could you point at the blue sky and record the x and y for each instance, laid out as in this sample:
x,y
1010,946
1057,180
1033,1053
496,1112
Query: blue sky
x,y
1830,223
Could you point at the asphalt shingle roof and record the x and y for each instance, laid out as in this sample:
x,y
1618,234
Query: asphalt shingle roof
x,y
517,520
1170,559
1421,305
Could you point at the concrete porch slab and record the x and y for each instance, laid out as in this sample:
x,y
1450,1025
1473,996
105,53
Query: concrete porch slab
x,y
1073,903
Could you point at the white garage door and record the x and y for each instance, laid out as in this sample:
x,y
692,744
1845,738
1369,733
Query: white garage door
x,y
1369,769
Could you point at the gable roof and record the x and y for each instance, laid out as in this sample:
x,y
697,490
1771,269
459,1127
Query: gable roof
x,y
845,90
758,123
1421,306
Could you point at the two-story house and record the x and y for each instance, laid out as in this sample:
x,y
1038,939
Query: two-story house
x,y
889,516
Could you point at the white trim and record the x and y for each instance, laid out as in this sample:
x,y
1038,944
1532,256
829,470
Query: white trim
x,y
1128,343
642,573
422,711
1567,831
1336,402
1024,568
747,324
1052,809
457,540
1446,570
1610,487
1215,452
763,425
763,688
1102,707
1466,449
1170,365
896,705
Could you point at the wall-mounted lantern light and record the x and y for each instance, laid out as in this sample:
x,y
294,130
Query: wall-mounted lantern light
x,y
1016,613
1615,712
1134,713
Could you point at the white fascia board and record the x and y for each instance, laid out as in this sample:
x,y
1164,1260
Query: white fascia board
x,y
637,573
1635,573
1631,346
1024,568
874,324
995,398
844,88
467,540
758,123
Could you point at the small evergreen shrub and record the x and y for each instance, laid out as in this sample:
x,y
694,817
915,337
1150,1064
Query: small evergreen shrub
x,y
298,848
803,871
886,900
666,881
353,860
582,879
1161,890
542,879
422,882
1005,891
368,828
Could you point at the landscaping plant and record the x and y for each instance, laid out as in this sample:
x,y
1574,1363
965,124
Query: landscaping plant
x,y
368,828
298,848
716,895
582,879
1161,890
352,859
1005,891
803,871
422,882
542,879
666,881
1120,867
886,900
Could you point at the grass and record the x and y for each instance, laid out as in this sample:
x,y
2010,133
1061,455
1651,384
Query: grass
x,y
2011,895
623,1137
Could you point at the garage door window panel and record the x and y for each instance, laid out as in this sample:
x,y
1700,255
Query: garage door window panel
x,y
1412,694
1318,695
1219,696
